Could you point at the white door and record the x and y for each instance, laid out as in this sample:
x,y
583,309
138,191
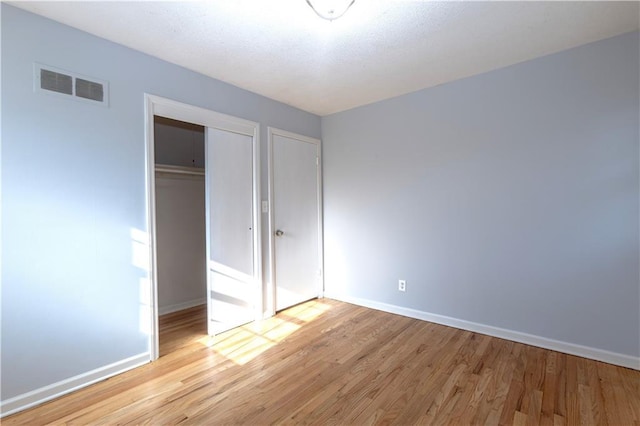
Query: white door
x,y
296,218
231,283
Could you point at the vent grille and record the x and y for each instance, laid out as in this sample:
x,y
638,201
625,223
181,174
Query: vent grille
x,y
61,83
89,90
70,85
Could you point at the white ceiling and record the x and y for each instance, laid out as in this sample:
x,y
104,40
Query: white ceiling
x,y
380,48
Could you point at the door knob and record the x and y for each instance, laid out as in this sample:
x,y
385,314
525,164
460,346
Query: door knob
x,y
279,233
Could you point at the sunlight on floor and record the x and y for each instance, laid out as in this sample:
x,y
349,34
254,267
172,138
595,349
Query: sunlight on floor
x,y
245,343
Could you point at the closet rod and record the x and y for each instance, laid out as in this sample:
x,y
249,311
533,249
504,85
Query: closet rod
x,y
180,170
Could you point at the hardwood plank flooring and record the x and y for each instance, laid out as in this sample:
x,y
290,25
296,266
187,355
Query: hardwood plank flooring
x,y
328,362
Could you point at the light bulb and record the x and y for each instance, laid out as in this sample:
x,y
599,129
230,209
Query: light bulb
x,y
330,9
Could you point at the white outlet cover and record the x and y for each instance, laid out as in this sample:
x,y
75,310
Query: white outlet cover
x,y
402,285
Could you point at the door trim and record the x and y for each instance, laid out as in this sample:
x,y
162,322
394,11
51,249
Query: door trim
x,y
156,105
270,292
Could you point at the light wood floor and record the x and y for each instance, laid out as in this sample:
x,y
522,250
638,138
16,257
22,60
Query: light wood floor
x,y
326,362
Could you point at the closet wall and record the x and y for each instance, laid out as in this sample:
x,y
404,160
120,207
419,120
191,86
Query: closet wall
x,y
180,215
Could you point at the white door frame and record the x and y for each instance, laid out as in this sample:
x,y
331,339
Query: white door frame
x,y
156,105
270,303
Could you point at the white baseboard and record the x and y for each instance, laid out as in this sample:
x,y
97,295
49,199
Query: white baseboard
x,y
516,336
55,390
180,306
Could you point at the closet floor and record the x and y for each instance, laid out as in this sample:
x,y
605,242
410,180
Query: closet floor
x,y
182,328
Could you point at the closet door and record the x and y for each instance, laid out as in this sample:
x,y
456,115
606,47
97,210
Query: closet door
x,y
231,240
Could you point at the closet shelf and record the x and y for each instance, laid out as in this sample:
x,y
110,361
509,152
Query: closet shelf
x,y
179,170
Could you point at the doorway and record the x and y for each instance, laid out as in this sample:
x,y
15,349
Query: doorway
x,y
295,218
232,230
180,229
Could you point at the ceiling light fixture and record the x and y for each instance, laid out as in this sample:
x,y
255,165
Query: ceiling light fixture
x,y
330,9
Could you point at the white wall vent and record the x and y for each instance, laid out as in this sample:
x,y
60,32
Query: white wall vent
x,y
70,85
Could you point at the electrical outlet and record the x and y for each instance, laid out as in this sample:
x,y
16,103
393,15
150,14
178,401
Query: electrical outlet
x,y
402,285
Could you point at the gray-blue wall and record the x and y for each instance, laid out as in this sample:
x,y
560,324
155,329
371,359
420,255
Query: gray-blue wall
x,y
73,197
508,199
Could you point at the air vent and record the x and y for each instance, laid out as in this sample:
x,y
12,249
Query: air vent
x,y
61,83
89,90
70,85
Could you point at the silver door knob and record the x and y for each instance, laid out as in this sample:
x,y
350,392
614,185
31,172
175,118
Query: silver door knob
x,y
279,233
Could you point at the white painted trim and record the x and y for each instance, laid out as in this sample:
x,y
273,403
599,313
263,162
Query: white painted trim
x,y
257,222
270,308
270,290
162,310
204,117
320,220
622,360
55,390
150,179
207,234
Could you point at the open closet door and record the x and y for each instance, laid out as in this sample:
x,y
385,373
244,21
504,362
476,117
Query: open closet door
x,y
231,237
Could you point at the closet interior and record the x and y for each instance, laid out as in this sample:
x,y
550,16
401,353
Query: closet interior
x,y
180,229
